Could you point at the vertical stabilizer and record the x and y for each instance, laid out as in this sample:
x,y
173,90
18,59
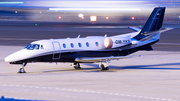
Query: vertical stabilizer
x,y
153,23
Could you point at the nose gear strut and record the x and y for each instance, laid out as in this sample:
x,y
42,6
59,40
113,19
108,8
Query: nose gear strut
x,y
22,70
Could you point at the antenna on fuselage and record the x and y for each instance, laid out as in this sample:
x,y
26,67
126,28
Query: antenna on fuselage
x,y
78,36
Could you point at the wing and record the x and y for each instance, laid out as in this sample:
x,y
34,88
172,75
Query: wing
x,y
100,59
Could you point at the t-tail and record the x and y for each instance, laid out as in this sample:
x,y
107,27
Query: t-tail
x,y
153,23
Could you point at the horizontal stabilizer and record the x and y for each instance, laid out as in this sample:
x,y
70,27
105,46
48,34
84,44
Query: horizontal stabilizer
x,y
135,29
165,29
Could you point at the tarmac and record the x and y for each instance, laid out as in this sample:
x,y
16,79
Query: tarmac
x,y
155,75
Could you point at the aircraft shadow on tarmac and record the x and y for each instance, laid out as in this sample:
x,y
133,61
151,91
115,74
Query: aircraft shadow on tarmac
x,y
67,70
71,70
12,99
95,68
154,66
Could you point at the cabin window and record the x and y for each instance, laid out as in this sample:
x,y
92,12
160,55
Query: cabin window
x,y
72,45
64,45
96,43
87,44
79,44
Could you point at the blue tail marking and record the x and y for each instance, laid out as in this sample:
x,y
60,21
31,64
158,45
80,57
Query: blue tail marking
x,y
153,23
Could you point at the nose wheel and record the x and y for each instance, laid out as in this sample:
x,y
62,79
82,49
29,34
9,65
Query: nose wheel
x,y
22,70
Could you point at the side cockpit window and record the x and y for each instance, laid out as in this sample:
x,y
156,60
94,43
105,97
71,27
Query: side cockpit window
x,y
37,47
34,47
42,47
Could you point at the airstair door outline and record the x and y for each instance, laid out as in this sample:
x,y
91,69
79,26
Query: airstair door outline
x,y
56,50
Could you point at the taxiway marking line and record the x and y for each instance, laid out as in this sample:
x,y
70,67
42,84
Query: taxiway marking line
x,y
87,91
20,98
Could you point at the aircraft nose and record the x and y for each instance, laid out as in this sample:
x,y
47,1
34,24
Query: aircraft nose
x,y
7,59
13,57
10,58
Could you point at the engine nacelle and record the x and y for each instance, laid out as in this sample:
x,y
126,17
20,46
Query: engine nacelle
x,y
115,42
108,43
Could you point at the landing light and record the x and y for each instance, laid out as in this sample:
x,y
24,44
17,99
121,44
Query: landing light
x,y
107,18
59,17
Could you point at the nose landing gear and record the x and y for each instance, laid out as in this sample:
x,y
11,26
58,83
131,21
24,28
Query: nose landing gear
x,y
22,70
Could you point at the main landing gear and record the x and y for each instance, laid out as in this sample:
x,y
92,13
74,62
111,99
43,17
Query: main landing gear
x,y
22,70
103,66
76,65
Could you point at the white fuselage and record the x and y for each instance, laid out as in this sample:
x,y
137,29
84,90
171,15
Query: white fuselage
x,y
53,46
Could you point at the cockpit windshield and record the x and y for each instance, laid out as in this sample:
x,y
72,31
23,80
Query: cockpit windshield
x,y
34,46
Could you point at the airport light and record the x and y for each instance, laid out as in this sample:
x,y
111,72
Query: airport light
x,y
59,17
132,18
93,18
107,18
80,15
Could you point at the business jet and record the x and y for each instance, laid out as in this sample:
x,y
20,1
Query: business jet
x,y
94,48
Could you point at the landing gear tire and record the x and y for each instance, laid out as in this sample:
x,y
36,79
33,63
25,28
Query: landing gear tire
x,y
76,66
22,70
103,67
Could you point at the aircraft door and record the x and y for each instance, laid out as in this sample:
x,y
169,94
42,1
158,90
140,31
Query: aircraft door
x,y
56,50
